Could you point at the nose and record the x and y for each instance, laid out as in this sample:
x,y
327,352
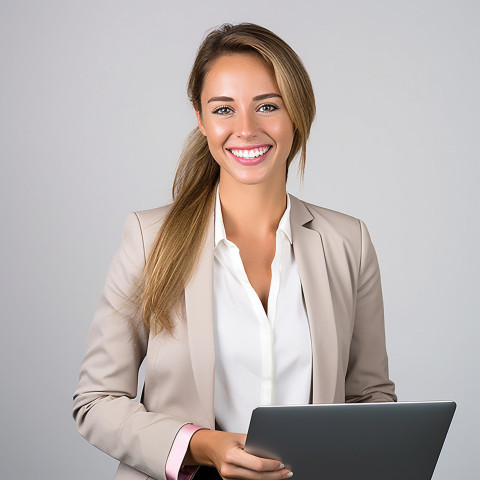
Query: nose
x,y
246,126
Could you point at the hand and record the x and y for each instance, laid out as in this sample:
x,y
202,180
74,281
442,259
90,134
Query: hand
x,y
225,451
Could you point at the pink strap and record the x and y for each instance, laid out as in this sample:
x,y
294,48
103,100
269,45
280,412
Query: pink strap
x,y
173,468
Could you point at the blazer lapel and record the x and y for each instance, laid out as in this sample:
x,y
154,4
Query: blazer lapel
x,y
200,318
309,253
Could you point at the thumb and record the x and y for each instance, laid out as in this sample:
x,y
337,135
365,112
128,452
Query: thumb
x,y
242,437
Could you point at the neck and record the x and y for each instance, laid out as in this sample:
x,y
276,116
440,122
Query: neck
x,y
252,210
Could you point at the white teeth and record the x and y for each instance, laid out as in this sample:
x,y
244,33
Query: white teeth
x,y
253,153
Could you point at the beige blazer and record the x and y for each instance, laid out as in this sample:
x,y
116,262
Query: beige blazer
x,y
341,283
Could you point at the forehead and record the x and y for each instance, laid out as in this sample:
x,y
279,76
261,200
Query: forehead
x,y
238,75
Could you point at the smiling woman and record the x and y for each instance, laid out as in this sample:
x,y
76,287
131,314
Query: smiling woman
x,y
238,294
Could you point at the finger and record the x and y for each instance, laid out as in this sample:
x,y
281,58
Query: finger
x,y
246,460
234,472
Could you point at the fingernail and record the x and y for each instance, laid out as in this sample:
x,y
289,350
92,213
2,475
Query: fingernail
x,y
289,475
281,466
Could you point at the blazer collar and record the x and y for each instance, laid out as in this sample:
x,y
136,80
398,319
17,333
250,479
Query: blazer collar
x,y
308,245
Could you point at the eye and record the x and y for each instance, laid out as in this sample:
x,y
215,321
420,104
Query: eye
x,y
223,110
267,107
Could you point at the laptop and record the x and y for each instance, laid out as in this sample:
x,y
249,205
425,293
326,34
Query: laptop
x,y
361,441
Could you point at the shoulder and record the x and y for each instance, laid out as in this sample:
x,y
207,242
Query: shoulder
x,y
342,235
326,221
141,228
152,219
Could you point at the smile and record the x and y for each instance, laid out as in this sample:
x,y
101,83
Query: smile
x,y
249,156
249,153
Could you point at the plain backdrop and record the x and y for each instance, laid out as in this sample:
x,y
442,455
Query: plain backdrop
x,y
93,115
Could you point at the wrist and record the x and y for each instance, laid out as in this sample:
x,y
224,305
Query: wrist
x,y
201,448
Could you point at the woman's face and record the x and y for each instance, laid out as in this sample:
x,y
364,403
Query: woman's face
x,y
248,129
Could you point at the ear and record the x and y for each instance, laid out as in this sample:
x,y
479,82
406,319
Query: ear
x,y
200,122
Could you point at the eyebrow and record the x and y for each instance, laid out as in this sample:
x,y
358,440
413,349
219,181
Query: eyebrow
x,y
255,99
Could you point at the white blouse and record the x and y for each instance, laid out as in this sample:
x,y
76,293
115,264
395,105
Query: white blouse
x,y
260,358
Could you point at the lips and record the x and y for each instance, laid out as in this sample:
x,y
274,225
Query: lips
x,y
251,155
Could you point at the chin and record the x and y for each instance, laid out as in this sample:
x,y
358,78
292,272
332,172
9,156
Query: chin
x,y
249,178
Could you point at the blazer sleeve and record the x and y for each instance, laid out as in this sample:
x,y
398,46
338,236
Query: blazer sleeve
x,y
104,407
367,377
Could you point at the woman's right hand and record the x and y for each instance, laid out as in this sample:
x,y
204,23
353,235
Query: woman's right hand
x,y
225,451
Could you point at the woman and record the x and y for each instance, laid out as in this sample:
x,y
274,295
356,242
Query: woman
x,y
237,294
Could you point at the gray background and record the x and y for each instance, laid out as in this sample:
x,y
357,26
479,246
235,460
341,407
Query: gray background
x,y
93,113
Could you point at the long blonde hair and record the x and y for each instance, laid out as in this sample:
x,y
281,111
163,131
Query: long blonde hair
x,y
176,250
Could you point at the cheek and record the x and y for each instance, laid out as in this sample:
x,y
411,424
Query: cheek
x,y
217,134
283,133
